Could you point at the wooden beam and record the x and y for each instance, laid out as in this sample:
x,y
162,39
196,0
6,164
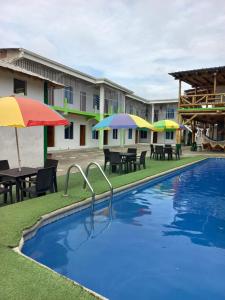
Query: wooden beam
x,y
190,120
214,82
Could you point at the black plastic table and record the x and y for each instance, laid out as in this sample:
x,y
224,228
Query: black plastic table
x,y
17,175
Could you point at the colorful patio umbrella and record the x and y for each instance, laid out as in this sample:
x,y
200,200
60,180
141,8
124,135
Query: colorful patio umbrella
x,y
122,121
166,125
22,112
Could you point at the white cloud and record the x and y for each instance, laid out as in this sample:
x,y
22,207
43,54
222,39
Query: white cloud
x,y
135,43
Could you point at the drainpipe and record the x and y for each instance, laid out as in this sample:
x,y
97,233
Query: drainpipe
x,y
101,114
45,127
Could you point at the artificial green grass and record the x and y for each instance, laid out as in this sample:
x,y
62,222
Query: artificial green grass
x,y
24,279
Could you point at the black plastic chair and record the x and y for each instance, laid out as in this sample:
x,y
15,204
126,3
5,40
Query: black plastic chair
x,y
4,165
131,159
107,157
5,189
53,163
152,151
177,151
42,184
141,160
159,152
169,151
116,161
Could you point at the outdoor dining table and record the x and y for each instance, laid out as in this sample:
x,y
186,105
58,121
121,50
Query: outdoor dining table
x,y
17,175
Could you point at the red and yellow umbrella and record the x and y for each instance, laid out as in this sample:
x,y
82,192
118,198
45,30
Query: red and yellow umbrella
x,y
21,112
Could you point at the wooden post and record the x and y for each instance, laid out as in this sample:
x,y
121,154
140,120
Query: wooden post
x,y
179,93
179,118
214,83
193,131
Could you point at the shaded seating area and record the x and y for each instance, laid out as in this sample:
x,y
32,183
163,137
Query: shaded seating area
x,y
124,162
167,151
27,181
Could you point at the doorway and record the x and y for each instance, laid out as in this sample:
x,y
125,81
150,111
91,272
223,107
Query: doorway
x,y
136,136
155,137
105,137
82,135
50,136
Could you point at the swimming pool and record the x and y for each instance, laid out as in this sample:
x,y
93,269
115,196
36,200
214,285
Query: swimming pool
x,y
161,240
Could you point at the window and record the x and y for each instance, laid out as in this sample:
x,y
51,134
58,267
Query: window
x,y
130,132
94,134
51,95
68,133
96,102
156,115
170,113
131,110
115,134
169,135
20,87
114,106
68,94
143,134
83,101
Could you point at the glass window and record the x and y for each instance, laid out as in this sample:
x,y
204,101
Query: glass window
x,y
143,134
156,115
68,133
169,135
115,134
20,87
130,132
96,102
83,101
68,94
51,95
170,113
94,134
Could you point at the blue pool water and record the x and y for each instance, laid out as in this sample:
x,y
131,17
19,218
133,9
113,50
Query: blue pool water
x,y
162,240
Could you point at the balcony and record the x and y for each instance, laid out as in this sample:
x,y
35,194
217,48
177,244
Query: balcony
x,y
207,101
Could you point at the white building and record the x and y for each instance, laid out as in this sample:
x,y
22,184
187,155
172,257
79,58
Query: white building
x,y
84,100
16,81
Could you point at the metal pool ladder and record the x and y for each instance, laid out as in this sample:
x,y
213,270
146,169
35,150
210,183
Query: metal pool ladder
x,y
86,182
106,178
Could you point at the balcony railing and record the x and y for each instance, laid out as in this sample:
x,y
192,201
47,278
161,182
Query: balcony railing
x,y
204,100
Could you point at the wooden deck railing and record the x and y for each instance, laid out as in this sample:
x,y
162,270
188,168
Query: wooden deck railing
x,y
205,100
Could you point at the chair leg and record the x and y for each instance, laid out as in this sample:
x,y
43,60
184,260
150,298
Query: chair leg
x,y
10,195
5,197
55,184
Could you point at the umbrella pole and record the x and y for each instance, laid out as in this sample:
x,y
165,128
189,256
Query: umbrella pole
x,y
18,151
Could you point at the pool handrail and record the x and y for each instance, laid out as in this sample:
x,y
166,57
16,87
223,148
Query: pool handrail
x,y
85,180
103,173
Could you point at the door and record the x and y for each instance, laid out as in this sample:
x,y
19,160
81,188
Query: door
x,y
105,137
136,137
51,136
155,137
82,135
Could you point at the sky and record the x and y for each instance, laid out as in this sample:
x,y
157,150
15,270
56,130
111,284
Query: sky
x,y
135,43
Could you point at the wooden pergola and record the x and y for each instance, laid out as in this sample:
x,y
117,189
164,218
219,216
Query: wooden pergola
x,y
204,103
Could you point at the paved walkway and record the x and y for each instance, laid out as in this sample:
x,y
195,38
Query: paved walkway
x,y
85,156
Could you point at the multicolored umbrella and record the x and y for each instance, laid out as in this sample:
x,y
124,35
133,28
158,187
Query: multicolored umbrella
x,y
23,112
122,121
166,125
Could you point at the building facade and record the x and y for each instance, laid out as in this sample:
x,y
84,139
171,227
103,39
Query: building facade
x,y
84,100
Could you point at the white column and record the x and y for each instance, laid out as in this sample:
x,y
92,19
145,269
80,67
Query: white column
x,y
101,113
152,121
